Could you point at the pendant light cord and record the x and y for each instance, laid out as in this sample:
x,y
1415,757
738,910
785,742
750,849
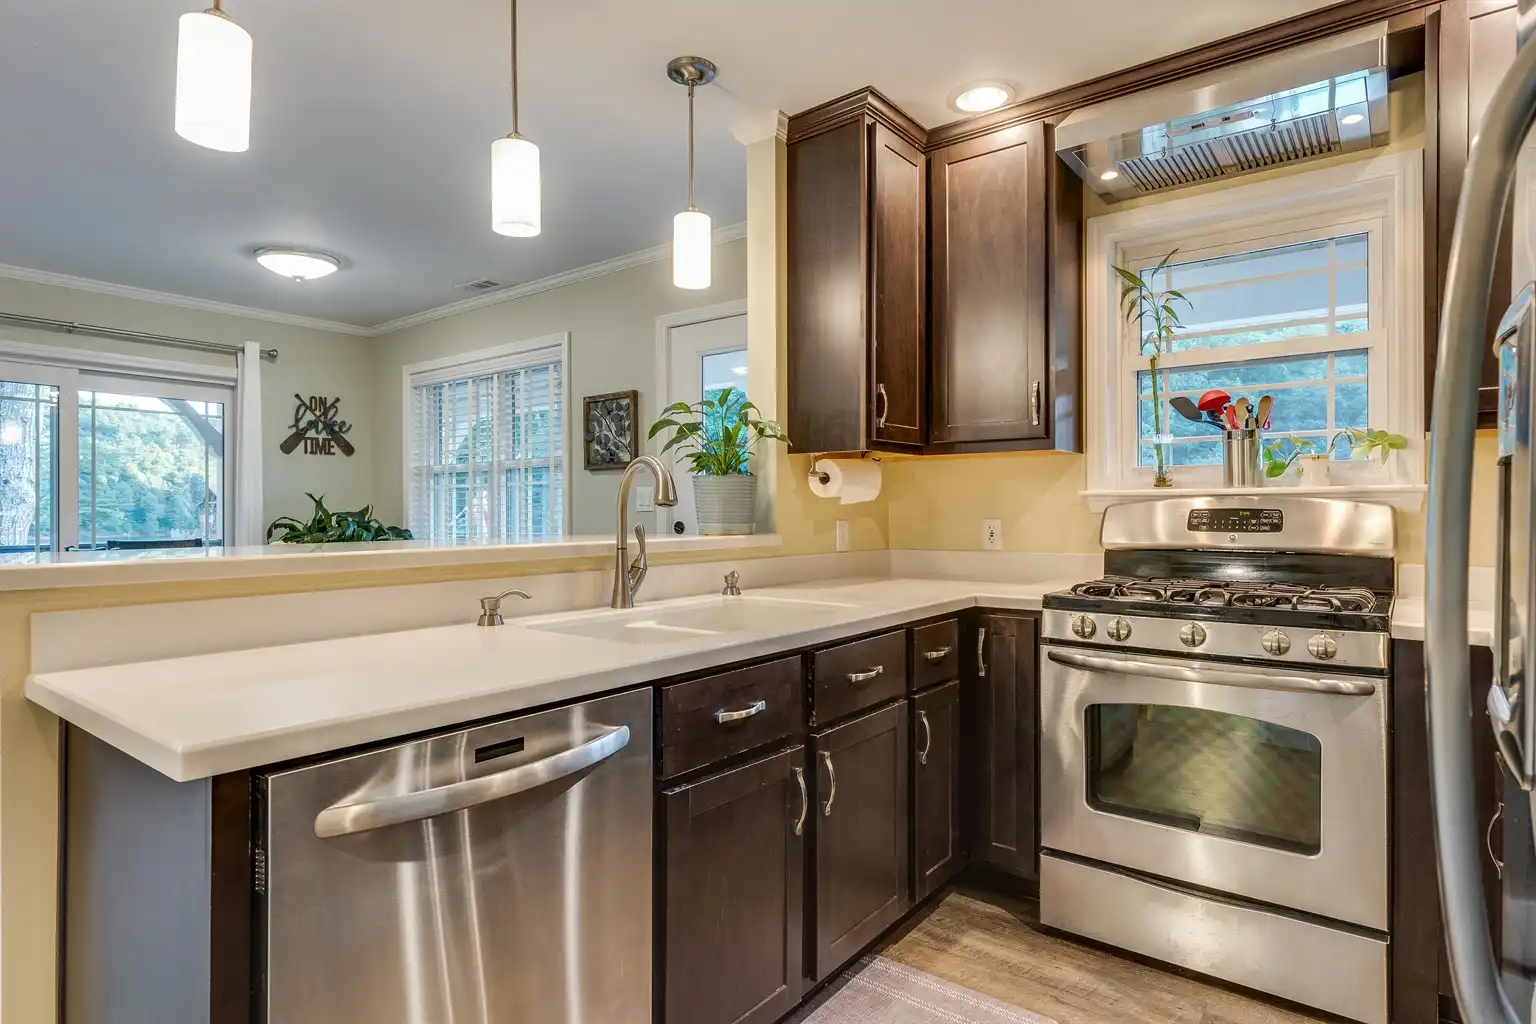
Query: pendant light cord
x,y
515,134
690,147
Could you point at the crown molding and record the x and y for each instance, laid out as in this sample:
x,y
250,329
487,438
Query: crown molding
x,y
760,126
728,233
123,291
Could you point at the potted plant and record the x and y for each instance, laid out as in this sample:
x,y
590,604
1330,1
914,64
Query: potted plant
x,y
1278,463
327,527
1314,461
717,436
1152,315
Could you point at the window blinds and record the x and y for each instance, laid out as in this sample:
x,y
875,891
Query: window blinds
x,y
488,457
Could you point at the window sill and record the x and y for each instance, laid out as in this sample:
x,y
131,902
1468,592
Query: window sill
x,y
1404,497
107,568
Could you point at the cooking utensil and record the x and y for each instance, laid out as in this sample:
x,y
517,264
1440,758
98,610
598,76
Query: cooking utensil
x,y
1213,400
1243,407
1266,403
1189,410
1229,414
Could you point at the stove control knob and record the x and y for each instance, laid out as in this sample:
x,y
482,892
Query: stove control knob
x,y
1192,634
1084,627
1276,643
1323,647
1119,630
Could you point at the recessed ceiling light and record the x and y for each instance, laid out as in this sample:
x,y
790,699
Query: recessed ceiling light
x,y
974,99
740,371
1109,175
297,264
1351,119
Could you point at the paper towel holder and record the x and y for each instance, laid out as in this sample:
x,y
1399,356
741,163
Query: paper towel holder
x,y
823,478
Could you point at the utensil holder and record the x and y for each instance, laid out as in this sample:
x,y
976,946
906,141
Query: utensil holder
x,y
1240,458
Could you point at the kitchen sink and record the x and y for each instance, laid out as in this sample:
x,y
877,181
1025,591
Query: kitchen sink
x,y
664,624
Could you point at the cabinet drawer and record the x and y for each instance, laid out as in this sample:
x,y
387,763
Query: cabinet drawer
x,y
859,675
717,717
935,654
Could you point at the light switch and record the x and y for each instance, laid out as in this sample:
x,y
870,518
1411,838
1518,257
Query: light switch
x,y
645,498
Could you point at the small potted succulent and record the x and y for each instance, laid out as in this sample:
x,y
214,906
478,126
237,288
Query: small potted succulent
x,y
717,436
327,527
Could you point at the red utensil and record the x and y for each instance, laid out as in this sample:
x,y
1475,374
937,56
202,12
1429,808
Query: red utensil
x,y
1213,401
1230,415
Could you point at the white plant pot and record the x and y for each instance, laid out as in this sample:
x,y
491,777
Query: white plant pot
x,y
726,505
1315,470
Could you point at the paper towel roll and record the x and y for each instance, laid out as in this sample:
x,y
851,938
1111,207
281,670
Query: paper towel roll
x,y
851,481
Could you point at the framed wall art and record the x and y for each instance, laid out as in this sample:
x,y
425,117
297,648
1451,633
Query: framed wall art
x,y
611,428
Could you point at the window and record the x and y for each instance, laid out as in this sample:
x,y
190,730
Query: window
x,y
149,457
487,461
1304,287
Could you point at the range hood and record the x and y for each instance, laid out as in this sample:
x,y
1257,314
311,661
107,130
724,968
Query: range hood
x,y
1326,97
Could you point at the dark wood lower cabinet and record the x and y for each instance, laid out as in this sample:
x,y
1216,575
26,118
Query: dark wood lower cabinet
x,y
735,890
861,836
937,845
1002,712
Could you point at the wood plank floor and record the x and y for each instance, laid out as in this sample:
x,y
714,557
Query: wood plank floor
x,y
990,944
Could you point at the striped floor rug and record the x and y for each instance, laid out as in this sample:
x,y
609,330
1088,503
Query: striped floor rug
x,y
881,991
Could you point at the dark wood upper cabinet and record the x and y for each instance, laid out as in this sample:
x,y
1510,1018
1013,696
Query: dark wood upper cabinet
x,y
733,902
1469,45
862,840
937,845
1001,709
1006,222
857,283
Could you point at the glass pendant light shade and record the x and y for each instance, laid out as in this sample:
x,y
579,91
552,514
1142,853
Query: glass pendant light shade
x,y
691,240
515,187
213,82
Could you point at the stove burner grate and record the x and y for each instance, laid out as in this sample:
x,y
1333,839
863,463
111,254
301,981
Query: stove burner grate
x,y
1213,593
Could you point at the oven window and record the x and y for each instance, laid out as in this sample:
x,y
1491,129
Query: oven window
x,y
1207,772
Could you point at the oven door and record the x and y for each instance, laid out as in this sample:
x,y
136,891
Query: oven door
x,y
1265,783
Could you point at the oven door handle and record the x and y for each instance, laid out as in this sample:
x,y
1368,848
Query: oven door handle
x,y
1218,676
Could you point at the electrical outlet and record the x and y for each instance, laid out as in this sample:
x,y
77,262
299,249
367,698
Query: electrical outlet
x,y
992,534
645,498
842,535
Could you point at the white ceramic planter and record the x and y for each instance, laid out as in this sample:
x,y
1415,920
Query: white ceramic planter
x,y
726,505
1315,470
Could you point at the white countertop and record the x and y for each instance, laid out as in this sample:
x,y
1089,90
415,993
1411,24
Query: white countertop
x,y
1408,621
194,717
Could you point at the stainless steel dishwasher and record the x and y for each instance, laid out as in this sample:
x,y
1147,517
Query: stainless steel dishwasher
x,y
496,875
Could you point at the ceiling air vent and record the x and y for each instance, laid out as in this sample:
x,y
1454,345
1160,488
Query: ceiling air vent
x,y
485,284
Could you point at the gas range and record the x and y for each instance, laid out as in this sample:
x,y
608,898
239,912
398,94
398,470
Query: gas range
x,y
1291,580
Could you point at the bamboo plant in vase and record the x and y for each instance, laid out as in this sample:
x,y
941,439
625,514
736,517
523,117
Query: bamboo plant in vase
x,y
1151,313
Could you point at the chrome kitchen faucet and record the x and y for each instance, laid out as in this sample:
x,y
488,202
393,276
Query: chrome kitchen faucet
x,y
628,577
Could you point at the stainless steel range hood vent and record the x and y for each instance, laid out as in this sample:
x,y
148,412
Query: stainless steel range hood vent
x,y
1330,97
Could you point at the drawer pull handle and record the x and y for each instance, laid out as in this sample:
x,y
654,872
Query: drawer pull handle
x,y
864,677
826,759
939,654
922,756
725,717
805,802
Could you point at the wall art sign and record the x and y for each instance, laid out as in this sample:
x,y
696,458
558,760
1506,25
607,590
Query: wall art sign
x,y
612,429
318,427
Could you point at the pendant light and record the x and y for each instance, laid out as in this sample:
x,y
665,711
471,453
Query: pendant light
x,y
691,236
514,172
213,81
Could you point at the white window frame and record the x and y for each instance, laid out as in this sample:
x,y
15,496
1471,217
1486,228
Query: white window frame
x,y
71,369
511,356
1381,197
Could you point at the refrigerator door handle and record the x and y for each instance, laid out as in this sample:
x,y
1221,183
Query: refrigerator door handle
x,y
350,818
1485,194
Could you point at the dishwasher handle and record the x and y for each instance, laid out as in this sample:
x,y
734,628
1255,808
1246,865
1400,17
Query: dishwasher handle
x,y
351,818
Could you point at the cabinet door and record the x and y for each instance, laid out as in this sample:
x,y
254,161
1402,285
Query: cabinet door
x,y
862,823
898,267
938,852
735,884
1003,712
990,257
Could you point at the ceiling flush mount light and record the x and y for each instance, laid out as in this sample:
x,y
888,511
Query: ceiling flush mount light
x,y
515,190
691,236
974,99
213,81
298,265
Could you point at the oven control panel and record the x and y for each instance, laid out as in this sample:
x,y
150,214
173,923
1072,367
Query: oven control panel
x,y
1236,520
1213,638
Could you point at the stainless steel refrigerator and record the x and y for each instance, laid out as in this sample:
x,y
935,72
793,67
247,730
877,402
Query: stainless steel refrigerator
x,y
1490,989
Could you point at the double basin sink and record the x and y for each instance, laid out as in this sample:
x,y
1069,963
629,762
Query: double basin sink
x,y
676,621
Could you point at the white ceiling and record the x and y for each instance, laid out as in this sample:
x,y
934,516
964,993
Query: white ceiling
x,y
373,119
